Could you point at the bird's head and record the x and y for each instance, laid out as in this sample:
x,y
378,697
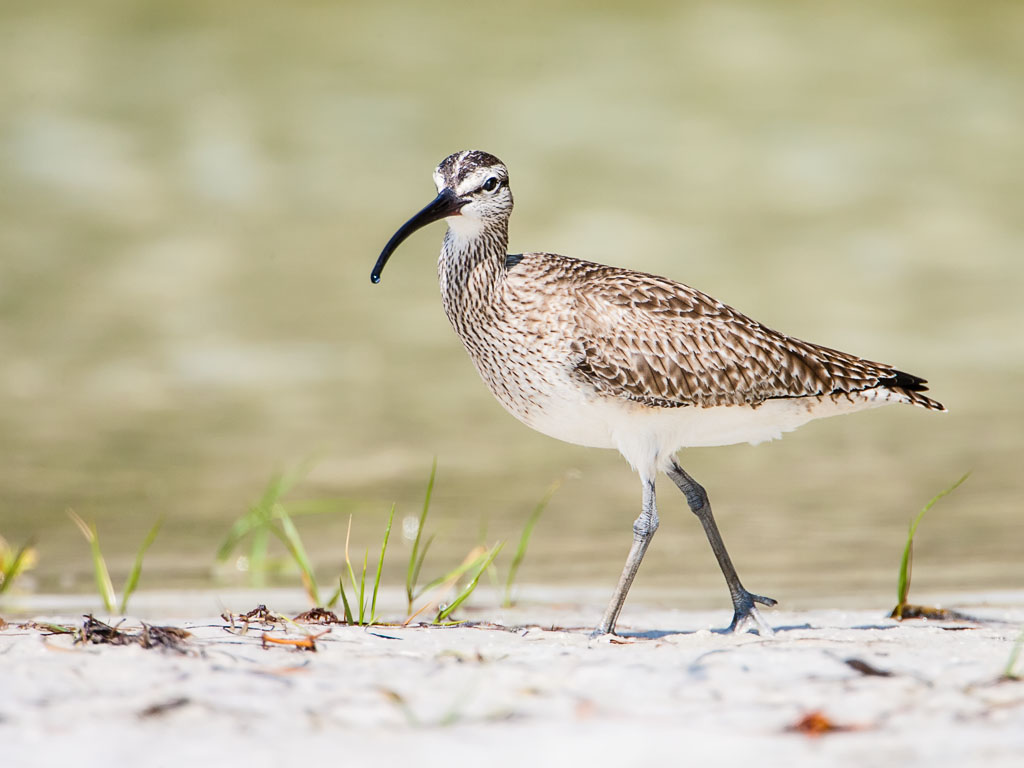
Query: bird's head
x,y
472,194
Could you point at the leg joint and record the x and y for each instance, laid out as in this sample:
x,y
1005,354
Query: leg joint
x,y
696,496
645,526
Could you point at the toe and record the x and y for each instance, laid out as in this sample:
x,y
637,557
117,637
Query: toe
x,y
746,616
750,620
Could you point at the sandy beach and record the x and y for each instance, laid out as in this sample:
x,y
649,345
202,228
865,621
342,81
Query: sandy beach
x,y
194,357
526,685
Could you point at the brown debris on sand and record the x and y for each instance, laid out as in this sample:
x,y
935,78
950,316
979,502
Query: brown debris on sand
x,y
817,723
318,616
100,633
258,615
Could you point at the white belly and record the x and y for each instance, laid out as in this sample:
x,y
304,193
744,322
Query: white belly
x,y
648,436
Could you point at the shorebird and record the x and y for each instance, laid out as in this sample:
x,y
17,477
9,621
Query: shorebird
x,y
612,358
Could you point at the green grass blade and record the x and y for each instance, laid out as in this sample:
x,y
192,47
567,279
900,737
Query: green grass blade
x,y
362,589
492,572
136,572
903,583
443,615
262,515
335,596
259,518
524,540
1011,663
453,574
348,560
99,564
239,530
283,482
56,629
419,565
259,546
12,570
290,536
415,559
380,565
104,585
344,600
492,576
300,507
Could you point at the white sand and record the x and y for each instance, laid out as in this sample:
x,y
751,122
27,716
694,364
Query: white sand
x,y
677,694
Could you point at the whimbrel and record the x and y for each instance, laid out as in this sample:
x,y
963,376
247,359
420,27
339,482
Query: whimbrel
x,y
611,358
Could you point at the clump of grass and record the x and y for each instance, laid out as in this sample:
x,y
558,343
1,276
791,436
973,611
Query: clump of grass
x,y
269,517
903,609
478,560
1010,671
289,536
263,520
524,540
485,560
361,610
14,563
359,587
104,585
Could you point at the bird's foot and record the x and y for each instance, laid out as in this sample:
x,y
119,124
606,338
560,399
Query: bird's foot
x,y
746,616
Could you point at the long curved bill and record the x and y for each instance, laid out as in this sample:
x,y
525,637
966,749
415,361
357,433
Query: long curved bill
x,y
447,203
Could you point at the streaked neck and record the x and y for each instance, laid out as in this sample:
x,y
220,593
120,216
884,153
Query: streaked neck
x,y
471,264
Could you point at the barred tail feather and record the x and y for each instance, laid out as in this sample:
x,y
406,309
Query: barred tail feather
x,y
911,387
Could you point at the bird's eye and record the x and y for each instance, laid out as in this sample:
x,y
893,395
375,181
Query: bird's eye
x,y
491,184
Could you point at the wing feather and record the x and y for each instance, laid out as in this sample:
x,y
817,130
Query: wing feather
x,y
662,343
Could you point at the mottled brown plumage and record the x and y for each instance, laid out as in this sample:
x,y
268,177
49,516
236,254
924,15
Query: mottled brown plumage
x,y
614,358
664,344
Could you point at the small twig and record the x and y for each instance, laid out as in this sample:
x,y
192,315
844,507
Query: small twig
x,y
307,643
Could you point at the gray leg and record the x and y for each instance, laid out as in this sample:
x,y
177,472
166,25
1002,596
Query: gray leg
x,y
643,531
744,610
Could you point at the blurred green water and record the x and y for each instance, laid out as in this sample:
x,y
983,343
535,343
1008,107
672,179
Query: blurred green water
x,y
192,195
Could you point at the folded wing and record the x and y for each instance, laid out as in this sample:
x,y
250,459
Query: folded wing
x,y
661,343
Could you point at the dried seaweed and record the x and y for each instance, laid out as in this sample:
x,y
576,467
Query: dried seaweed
x,y
100,633
258,615
817,723
867,669
171,638
318,616
155,710
907,611
307,643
